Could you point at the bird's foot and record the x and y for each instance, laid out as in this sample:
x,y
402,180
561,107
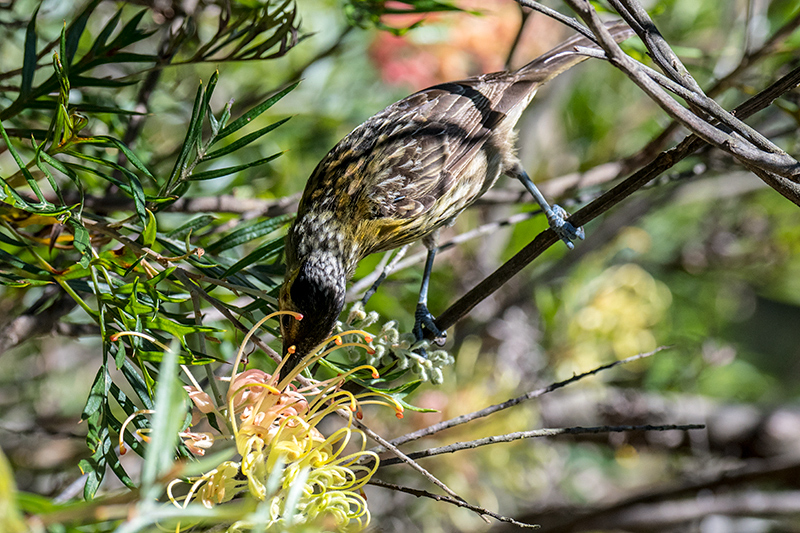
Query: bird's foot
x,y
423,319
557,218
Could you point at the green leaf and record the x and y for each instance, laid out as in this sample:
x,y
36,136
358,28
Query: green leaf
x,y
192,138
169,414
74,32
138,422
112,460
260,254
248,117
19,263
28,177
97,437
244,141
132,157
85,107
130,34
149,233
175,328
138,384
13,242
29,56
219,172
84,81
120,57
134,186
190,226
64,169
106,32
97,394
246,234
81,242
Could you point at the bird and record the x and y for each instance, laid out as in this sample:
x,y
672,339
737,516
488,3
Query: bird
x,y
400,177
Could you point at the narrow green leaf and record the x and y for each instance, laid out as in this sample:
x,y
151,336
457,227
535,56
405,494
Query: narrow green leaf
x,y
19,263
134,186
84,81
191,137
64,169
49,175
74,32
13,242
167,421
262,253
106,32
84,107
97,394
219,172
137,383
94,476
63,73
132,157
246,234
244,141
196,223
119,57
248,117
149,233
130,34
81,242
29,56
112,459
25,172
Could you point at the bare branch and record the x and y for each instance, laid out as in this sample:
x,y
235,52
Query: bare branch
x,y
734,142
425,494
463,419
538,433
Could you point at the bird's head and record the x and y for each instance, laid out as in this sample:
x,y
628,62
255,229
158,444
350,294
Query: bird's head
x,y
315,289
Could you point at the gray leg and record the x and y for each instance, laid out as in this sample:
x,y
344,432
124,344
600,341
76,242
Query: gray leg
x,y
556,215
423,317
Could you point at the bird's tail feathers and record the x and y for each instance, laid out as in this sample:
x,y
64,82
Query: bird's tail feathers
x,y
562,57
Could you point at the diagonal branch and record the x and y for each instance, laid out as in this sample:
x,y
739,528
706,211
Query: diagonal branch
x,y
458,503
539,433
616,195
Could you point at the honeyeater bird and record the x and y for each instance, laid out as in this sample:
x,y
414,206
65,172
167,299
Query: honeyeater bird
x,y
402,175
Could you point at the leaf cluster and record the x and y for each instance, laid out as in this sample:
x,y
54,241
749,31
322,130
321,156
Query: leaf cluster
x,y
70,140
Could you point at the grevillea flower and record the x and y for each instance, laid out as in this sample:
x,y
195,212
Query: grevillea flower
x,y
283,453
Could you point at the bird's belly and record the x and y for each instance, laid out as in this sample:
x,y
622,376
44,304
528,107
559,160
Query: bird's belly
x,y
479,174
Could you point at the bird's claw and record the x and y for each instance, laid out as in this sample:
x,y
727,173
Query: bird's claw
x,y
424,319
557,218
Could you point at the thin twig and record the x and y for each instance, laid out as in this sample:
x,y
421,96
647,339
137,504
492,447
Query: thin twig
x,y
400,457
459,503
570,22
517,38
463,419
539,433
